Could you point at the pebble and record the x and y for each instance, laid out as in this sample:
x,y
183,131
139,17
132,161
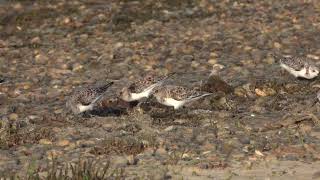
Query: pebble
x,y
63,142
195,64
70,147
244,140
260,92
65,66
41,59
188,57
185,156
118,45
258,153
27,86
102,16
45,141
269,60
35,40
213,54
277,45
239,91
66,20
206,152
222,101
212,61
52,154
247,48
84,36
77,67
56,129
169,128
17,6
13,116
58,111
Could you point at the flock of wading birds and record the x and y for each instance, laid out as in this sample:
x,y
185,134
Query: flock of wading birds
x,y
85,99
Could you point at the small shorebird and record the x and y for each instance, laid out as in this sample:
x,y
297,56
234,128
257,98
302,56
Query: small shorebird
x,y
177,96
214,83
299,67
142,88
84,99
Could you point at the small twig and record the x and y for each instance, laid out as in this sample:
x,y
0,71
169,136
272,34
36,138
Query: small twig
x,y
100,57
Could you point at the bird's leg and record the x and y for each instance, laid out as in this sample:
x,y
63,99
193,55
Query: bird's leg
x,y
143,101
169,110
87,114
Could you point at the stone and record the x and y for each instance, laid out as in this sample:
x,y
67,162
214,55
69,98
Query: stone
x,y
13,116
188,58
77,67
169,128
41,59
63,142
52,154
260,92
277,45
212,61
35,40
70,146
45,141
58,111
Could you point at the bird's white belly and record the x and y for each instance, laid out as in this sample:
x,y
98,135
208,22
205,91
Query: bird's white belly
x,y
301,73
83,108
138,96
172,102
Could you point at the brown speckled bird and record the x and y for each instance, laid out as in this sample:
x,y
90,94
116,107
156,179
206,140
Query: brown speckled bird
x,y
214,83
142,88
177,96
84,99
299,67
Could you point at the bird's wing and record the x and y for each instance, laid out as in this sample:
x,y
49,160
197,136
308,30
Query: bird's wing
x,y
179,92
150,81
92,94
295,63
100,89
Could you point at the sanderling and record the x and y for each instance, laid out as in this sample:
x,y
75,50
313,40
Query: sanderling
x,y
142,88
177,96
214,83
299,67
84,99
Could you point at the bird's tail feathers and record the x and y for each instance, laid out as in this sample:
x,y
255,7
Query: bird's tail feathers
x,y
97,99
196,97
